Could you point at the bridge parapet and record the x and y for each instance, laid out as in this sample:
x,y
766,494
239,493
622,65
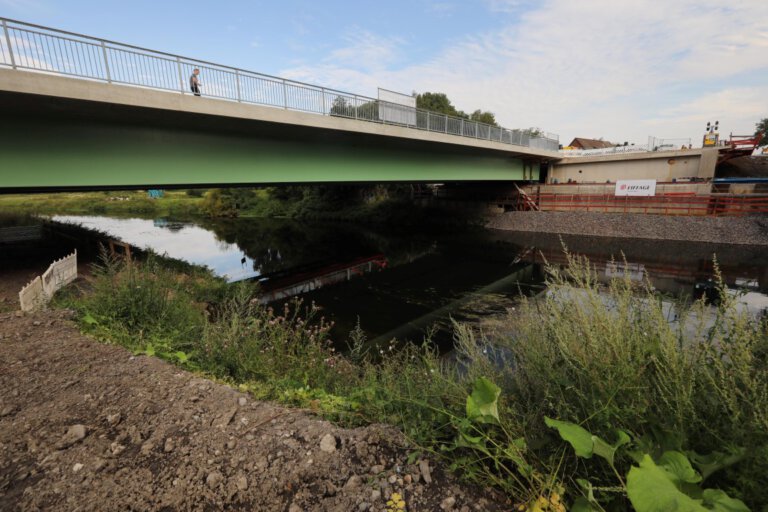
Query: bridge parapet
x,y
30,47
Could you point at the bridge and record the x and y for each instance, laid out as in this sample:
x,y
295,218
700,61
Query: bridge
x,y
84,113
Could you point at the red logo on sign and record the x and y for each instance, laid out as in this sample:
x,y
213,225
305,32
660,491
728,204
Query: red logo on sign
x,y
623,187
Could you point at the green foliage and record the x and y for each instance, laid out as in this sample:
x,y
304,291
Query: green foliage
x,y
343,107
533,132
147,307
604,360
608,357
108,202
482,404
483,117
577,437
252,342
438,102
226,202
670,483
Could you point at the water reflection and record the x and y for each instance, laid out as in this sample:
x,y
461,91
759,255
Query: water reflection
x,y
400,284
181,240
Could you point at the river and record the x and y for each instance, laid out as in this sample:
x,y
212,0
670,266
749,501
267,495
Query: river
x,y
400,284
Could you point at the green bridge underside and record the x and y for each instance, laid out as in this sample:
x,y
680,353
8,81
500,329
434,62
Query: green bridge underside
x,y
56,144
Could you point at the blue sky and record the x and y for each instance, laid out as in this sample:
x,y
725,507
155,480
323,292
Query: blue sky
x,y
617,69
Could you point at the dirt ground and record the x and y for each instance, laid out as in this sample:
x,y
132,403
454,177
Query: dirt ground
x,y
88,426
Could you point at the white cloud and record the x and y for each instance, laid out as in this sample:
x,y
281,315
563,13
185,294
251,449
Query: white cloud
x,y
737,109
354,67
505,6
590,68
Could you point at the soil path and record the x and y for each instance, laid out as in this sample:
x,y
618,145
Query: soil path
x,y
87,426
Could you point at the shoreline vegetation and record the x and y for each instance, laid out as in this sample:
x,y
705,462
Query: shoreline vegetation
x,y
588,398
375,204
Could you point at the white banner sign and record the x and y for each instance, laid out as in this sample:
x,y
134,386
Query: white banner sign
x,y
636,188
397,108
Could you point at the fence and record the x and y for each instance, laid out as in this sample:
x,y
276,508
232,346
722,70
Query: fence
x,y
40,290
654,144
667,204
617,150
37,48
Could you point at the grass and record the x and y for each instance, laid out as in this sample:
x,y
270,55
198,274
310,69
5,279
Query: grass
x,y
100,203
601,358
299,202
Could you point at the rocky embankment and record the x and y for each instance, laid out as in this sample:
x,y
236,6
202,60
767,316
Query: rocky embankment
x,y
88,426
724,230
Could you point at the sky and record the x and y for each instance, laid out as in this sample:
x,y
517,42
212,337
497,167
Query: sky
x,y
613,69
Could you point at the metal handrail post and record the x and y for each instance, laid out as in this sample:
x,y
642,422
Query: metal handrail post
x,y
428,121
285,95
237,84
322,105
8,43
354,107
181,77
106,62
446,123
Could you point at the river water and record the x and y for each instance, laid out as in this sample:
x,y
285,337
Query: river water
x,y
398,284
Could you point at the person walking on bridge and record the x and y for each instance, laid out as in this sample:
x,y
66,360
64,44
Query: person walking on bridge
x,y
194,82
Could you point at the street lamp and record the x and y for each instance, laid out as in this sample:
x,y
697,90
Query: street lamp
x,y
711,136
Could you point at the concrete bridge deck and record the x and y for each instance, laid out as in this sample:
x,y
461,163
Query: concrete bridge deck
x,y
63,133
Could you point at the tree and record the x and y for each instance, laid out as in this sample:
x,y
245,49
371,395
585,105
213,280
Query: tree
x,y
762,127
534,132
438,102
344,108
225,202
483,117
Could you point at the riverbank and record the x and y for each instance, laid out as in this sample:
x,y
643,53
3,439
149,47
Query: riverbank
x,y
89,426
79,416
722,230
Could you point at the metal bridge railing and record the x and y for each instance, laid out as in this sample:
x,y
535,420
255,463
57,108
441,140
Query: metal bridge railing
x,y
36,48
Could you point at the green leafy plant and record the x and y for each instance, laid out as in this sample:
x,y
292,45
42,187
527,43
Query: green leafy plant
x,y
669,483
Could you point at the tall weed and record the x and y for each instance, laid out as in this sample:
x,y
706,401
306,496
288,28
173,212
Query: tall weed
x,y
619,357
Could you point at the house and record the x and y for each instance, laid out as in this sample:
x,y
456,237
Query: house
x,y
581,143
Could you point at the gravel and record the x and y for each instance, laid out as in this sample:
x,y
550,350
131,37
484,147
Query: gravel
x,y
86,427
751,230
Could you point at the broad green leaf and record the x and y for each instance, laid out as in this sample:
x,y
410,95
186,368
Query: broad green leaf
x,y
470,441
715,461
482,404
150,350
579,438
603,449
678,466
719,501
651,489
88,318
623,439
181,356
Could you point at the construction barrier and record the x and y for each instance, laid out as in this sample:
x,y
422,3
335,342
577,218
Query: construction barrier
x,y
40,290
667,204
32,296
